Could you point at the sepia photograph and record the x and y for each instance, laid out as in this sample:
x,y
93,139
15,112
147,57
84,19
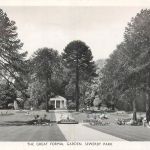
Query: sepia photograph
x,y
74,73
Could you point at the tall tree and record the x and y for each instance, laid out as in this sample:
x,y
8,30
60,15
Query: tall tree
x,y
45,66
12,60
131,74
137,38
79,60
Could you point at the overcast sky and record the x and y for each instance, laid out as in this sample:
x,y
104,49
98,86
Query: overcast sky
x,y
101,28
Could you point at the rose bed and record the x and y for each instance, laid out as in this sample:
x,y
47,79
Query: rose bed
x,y
67,121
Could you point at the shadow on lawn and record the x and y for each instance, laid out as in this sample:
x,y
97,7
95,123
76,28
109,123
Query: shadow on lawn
x,y
30,122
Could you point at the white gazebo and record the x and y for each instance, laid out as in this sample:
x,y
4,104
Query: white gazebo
x,y
58,102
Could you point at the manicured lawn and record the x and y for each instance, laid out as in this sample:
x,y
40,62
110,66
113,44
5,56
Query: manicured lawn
x,y
31,133
12,128
130,133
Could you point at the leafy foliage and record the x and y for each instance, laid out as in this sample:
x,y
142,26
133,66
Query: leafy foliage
x,y
7,94
126,73
46,70
12,61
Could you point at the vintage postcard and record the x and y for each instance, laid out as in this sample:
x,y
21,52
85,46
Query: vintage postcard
x,y
74,74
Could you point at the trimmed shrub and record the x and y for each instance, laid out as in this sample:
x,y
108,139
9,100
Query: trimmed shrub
x,y
51,107
71,106
27,105
42,106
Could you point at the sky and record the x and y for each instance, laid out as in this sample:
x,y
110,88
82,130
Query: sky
x,y
100,27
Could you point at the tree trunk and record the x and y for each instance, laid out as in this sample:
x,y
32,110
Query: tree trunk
x,y
113,107
77,85
147,107
134,109
47,94
47,110
148,99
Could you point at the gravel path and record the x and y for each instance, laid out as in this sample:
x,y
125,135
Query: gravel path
x,y
79,132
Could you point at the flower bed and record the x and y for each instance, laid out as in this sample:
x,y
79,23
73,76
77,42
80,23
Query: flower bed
x,y
129,121
96,122
67,121
99,123
40,121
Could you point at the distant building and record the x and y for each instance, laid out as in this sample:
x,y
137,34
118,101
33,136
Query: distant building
x,y
58,102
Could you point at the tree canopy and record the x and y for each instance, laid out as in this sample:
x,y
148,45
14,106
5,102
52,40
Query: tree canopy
x,y
12,60
127,70
45,68
79,60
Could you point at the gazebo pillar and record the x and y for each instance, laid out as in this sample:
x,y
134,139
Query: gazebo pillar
x,y
55,104
65,104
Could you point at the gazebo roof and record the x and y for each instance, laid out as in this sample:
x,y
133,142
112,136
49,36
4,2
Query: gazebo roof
x,y
58,98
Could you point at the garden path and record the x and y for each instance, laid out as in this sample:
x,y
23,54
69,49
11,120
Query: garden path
x,y
78,132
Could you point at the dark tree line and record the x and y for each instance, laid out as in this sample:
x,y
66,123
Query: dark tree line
x,y
57,72
46,73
